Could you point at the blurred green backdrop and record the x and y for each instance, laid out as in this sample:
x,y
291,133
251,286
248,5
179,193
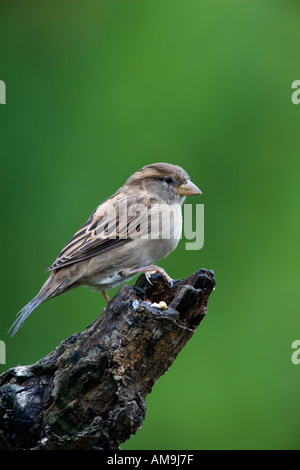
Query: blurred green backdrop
x,y
96,90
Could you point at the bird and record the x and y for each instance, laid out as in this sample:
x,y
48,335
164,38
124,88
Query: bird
x,y
125,235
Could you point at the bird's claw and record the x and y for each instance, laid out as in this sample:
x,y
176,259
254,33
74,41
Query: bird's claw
x,y
148,274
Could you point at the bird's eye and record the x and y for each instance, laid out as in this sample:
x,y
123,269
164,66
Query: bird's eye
x,y
168,180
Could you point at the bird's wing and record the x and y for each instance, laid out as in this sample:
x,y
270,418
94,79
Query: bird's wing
x,y
111,225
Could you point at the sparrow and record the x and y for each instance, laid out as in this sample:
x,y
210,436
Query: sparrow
x,y
125,235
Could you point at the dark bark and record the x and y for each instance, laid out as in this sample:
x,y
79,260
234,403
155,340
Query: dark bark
x,y
89,393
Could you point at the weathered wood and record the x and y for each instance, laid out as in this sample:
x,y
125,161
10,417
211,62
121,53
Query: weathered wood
x,y
89,393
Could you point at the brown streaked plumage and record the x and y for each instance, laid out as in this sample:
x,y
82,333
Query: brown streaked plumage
x,y
115,243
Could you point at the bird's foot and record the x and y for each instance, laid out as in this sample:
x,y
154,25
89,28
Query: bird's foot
x,y
105,296
152,269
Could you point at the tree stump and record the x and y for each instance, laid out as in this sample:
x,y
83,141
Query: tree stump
x,y
89,393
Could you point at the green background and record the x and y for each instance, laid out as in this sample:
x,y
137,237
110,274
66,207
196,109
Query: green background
x,y
96,90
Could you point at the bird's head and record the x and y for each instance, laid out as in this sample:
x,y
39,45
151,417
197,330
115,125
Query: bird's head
x,y
163,182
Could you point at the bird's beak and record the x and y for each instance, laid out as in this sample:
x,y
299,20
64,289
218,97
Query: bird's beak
x,y
188,189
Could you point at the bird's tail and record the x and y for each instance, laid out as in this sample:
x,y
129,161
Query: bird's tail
x,y
26,311
55,285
